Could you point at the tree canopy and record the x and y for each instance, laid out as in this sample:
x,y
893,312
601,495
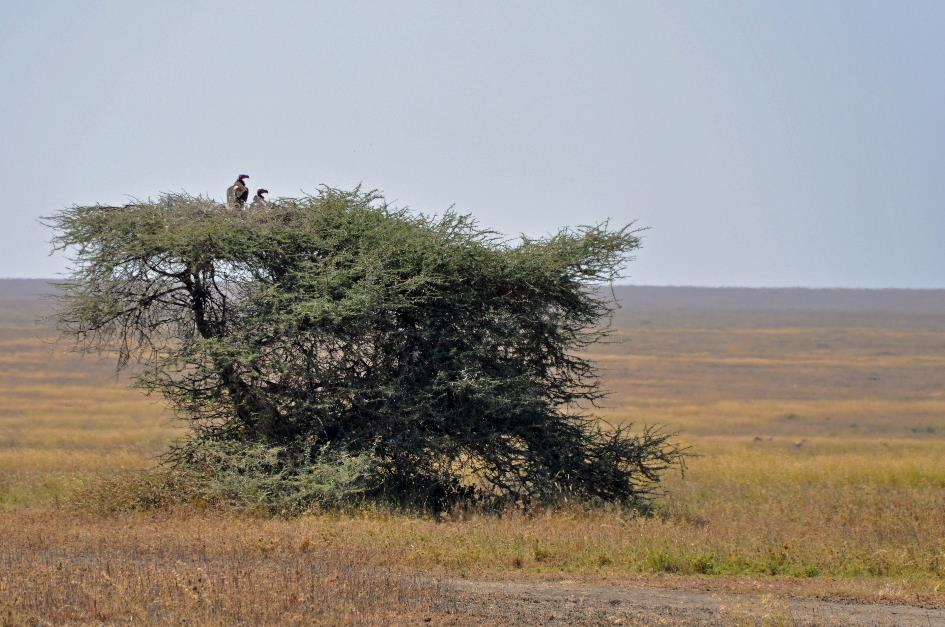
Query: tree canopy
x,y
445,358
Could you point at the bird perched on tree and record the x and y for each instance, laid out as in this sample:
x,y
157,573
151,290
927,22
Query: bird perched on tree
x,y
259,200
237,193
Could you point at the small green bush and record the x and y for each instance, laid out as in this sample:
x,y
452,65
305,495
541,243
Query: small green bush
x,y
233,476
276,479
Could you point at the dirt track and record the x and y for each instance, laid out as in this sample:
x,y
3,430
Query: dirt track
x,y
571,603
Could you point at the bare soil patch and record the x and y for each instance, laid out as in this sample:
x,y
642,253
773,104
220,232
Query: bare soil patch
x,y
569,603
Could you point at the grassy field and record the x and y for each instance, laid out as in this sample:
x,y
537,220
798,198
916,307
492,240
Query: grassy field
x,y
819,469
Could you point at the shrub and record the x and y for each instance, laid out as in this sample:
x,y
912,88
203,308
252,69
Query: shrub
x,y
236,475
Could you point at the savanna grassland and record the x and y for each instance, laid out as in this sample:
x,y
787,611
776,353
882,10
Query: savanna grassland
x,y
818,470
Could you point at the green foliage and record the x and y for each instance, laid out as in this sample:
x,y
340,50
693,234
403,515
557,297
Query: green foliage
x,y
236,475
435,360
230,475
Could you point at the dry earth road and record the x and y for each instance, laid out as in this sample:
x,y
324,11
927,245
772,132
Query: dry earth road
x,y
570,603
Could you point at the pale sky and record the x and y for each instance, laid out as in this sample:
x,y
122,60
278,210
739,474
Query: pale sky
x,y
764,143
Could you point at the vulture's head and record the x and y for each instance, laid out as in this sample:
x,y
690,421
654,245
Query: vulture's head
x,y
261,191
240,178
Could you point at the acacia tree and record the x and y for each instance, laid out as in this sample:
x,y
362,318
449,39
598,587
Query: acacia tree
x,y
335,325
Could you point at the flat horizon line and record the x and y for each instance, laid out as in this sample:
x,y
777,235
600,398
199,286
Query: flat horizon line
x,y
660,285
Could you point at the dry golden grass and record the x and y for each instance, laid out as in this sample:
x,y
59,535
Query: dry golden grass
x,y
162,570
821,458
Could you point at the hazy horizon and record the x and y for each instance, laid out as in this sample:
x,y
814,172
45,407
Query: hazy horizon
x,y
624,283
764,144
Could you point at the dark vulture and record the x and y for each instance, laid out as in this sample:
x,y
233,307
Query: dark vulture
x,y
237,193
